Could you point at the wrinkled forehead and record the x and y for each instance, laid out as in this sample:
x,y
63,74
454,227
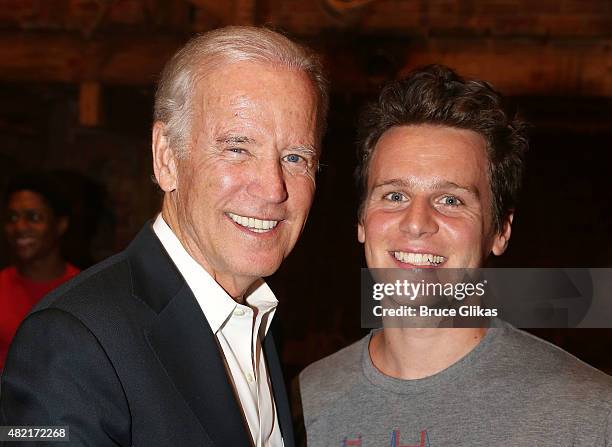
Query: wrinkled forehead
x,y
249,75
245,87
258,99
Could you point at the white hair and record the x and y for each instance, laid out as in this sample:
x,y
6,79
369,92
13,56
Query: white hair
x,y
173,98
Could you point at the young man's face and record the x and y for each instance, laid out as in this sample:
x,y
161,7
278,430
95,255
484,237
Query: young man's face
x,y
31,227
429,201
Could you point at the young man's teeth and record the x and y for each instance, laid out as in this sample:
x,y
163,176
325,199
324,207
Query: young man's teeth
x,y
418,258
256,225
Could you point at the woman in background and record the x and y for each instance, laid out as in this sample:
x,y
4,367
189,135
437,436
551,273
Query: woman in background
x,y
36,217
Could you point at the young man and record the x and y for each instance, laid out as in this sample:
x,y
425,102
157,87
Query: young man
x,y
167,343
441,165
36,217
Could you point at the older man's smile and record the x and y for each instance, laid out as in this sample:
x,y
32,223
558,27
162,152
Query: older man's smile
x,y
253,223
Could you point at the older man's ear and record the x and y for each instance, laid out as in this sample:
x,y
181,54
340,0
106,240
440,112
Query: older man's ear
x,y
164,163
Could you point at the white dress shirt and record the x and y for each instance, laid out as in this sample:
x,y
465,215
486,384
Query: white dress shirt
x,y
239,330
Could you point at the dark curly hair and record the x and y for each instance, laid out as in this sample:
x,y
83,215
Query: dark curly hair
x,y
45,184
437,95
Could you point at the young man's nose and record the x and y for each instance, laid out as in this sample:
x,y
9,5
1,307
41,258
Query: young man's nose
x,y
418,219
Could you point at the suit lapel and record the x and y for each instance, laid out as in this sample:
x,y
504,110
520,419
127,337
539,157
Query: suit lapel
x,y
186,347
183,342
279,391
188,350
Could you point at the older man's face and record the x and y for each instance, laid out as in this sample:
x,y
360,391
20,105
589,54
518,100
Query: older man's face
x,y
429,200
244,191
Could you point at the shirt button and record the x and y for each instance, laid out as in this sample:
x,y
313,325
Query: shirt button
x,y
250,378
238,312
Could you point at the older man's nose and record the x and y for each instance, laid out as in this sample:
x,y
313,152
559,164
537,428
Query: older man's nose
x,y
269,183
418,219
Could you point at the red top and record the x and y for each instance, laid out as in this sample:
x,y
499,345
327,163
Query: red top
x,y
17,296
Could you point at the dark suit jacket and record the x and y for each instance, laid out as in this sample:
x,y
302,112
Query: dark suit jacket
x,y
124,355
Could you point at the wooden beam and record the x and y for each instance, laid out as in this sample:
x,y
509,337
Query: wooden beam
x,y
90,109
126,59
244,12
515,66
518,67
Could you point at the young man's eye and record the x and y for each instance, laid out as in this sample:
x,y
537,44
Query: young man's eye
x,y
395,197
451,201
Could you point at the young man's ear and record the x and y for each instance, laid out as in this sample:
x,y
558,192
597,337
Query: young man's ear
x,y
501,238
164,162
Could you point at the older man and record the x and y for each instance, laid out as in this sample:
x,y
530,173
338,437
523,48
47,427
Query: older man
x,y
165,343
441,165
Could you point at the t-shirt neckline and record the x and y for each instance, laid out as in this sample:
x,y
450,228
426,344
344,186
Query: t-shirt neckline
x,y
455,373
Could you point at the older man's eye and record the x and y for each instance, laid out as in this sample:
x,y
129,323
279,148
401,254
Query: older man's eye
x,y
294,158
451,201
237,150
395,197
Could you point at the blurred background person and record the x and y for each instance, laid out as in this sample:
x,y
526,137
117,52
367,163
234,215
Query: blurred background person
x,y
35,219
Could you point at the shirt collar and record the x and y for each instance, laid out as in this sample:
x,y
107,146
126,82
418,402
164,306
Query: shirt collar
x,y
215,302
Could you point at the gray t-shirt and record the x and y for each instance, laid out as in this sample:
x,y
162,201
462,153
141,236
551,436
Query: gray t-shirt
x,y
513,389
